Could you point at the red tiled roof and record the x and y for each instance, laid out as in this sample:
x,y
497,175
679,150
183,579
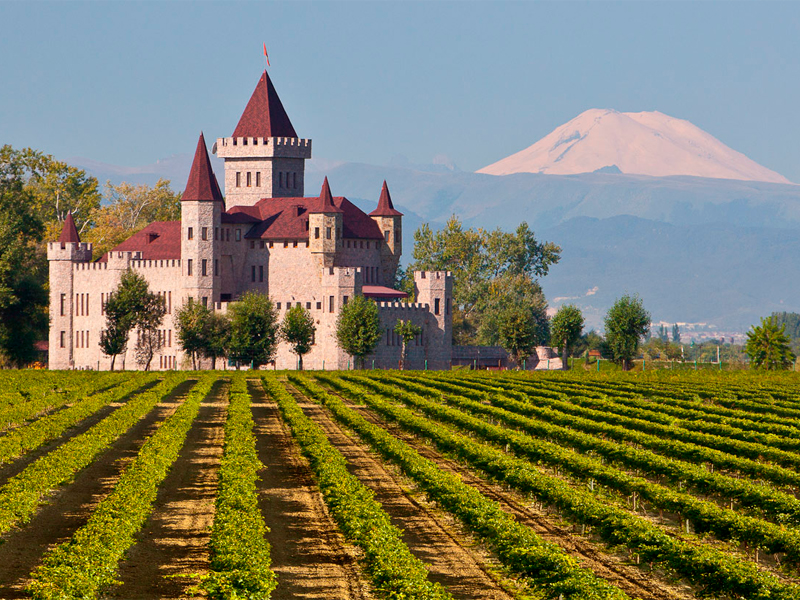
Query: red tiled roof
x,y
326,199
264,115
69,233
202,183
287,218
42,345
382,292
385,206
158,241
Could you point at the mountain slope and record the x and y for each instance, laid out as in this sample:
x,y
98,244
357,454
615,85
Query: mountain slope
x,y
645,143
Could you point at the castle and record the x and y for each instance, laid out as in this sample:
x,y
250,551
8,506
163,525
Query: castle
x,y
264,235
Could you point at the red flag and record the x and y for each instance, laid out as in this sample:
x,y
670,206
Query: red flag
x,y
265,54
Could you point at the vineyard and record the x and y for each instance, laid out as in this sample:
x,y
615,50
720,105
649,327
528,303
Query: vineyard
x,y
402,485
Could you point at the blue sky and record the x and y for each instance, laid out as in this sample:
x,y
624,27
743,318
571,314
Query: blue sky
x,y
131,82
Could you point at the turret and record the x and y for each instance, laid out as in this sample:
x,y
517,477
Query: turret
x,y
63,255
435,288
201,209
325,227
390,222
264,158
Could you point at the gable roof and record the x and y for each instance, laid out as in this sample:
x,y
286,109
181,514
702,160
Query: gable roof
x,y
264,115
287,218
158,241
385,206
202,183
69,233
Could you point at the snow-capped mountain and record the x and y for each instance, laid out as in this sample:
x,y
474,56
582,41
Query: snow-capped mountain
x,y
644,143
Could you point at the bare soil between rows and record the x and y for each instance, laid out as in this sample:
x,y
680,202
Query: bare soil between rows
x,y
69,507
309,555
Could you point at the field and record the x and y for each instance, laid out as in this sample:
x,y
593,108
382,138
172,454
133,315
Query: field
x,y
389,484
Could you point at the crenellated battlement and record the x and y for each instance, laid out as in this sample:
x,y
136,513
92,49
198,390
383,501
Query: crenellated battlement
x,y
73,251
405,306
270,147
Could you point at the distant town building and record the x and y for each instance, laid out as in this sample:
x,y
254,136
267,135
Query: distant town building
x,y
264,235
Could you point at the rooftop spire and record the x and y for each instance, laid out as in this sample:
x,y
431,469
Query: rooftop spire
x,y
70,232
264,115
326,199
202,184
385,206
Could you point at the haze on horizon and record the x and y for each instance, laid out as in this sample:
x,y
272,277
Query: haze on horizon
x,y
130,83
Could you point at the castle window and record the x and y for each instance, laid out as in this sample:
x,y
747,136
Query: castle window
x,y
227,235
249,179
205,301
77,305
327,233
261,273
216,267
204,233
280,179
238,235
258,178
436,306
344,301
169,338
288,305
308,305
189,267
262,244
63,302
387,234
252,245
348,243
319,305
63,338
278,305
169,302
294,244
330,304
253,273
285,244
190,233
216,233
204,267
388,339
316,233
238,179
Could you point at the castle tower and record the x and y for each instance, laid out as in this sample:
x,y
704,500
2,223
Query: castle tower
x,y
63,255
201,208
390,222
325,227
435,288
264,158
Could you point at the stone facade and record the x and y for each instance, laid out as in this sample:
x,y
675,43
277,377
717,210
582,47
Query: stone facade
x,y
265,235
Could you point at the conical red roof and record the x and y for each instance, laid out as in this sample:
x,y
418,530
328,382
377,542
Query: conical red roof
x,y
202,184
326,200
385,206
264,115
70,232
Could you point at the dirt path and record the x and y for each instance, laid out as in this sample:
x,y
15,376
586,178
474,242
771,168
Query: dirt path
x,y
450,563
70,506
8,470
309,555
612,568
174,541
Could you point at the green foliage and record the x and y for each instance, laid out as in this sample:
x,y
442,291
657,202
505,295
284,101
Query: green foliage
x,y
202,332
768,346
566,327
518,332
240,555
254,329
626,323
297,330
394,571
87,563
358,327
676,334
491,270
407,332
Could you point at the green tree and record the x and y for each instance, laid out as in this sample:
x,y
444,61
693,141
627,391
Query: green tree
x,y
518,332
407,332
218,339
191,323
676,334
509,293
663,333
133,306
129,208
565,330
358,328
768,346
297,330
484,264
626,323
254,329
